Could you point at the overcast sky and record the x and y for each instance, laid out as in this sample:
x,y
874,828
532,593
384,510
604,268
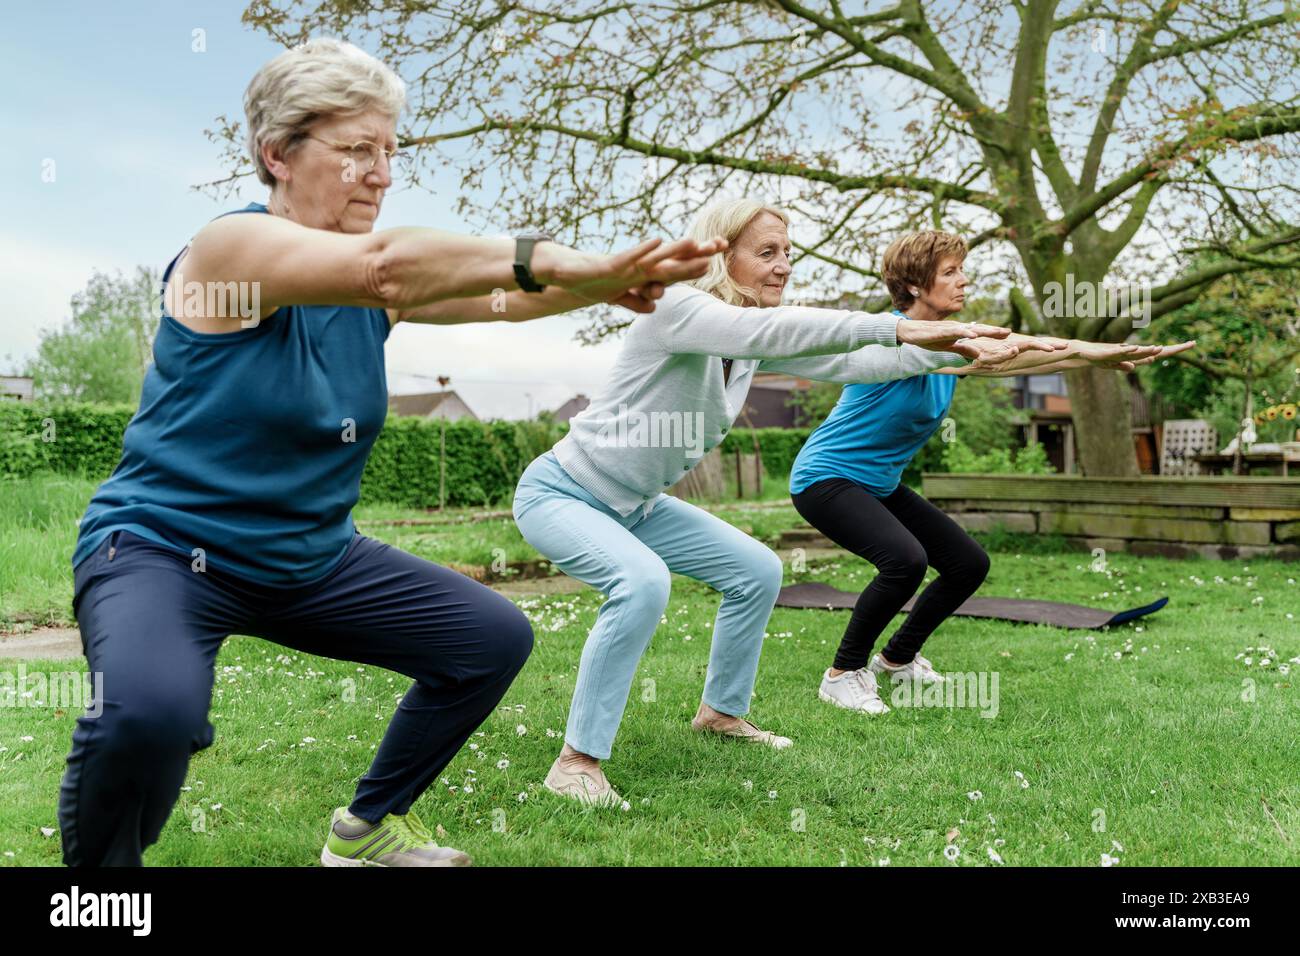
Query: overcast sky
x,y
115,96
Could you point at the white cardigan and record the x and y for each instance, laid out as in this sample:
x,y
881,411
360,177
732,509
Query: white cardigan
x,y
665,404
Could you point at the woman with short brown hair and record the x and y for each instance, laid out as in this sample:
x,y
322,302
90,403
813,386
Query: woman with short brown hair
x,y
846,479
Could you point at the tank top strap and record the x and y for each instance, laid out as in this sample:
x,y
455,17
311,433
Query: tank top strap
x,y
162,285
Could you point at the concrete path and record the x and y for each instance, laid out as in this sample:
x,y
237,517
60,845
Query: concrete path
x,y
60,643
44,644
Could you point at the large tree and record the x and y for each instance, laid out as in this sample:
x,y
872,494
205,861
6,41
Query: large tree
x,y
1082,142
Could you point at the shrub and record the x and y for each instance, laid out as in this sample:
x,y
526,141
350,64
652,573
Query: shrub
x,y
960,458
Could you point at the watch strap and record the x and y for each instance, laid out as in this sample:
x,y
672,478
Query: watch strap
x,y
523,259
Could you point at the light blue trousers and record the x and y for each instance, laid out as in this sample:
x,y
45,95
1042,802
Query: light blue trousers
x,y
629,559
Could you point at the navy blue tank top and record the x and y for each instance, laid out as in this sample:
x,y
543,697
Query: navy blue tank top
x,y
250,444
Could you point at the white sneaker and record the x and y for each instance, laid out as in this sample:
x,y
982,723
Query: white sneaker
x,y
855,690
918,669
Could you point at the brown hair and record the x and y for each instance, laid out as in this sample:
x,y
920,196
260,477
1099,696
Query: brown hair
x,y
911,261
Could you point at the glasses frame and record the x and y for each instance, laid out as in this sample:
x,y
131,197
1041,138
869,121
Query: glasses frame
x,y
373,152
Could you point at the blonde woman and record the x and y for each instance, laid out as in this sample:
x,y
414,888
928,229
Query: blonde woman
x,y
595,504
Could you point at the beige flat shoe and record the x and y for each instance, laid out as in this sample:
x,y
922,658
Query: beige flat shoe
x,y
586,786
746,731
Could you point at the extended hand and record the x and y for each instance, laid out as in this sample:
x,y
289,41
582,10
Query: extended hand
x,y
992,354
633,278
942,335
1125,358
986,353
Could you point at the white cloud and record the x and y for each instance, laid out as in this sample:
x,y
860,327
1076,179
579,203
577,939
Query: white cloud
x,y
40,281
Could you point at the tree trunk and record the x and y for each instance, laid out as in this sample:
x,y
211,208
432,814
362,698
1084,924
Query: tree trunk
x,y
1099,400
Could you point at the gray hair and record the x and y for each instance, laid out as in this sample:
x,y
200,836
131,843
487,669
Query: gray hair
x,y
728,218
321,77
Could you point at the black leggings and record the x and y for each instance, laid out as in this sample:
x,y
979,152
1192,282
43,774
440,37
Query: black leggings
x,y
900,534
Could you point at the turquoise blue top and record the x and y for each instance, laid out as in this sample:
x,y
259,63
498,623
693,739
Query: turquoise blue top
x,y
250,444
873,431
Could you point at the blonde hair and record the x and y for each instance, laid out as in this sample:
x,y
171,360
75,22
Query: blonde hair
x,y
322,77
728,218
912,261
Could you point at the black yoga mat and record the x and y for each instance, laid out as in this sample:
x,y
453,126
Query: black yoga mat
x,y
817,595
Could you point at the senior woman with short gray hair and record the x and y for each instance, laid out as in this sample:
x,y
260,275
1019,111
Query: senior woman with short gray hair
x,y
230,510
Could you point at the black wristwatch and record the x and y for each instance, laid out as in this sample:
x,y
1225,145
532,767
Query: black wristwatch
x,y
524,243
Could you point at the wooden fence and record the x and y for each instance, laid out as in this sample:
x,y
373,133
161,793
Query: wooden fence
x,y
721,474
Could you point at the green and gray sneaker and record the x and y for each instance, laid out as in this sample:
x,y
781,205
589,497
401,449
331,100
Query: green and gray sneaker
x,y
393,841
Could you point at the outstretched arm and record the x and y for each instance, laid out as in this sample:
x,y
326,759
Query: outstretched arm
x,y
405,268
871,363
702,324
519,306
651,265
1076,354
874,364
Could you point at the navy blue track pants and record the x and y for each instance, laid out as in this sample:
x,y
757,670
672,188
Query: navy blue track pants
x,y
152,626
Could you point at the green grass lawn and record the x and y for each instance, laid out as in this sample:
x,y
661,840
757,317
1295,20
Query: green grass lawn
x,y
38,530
1165,742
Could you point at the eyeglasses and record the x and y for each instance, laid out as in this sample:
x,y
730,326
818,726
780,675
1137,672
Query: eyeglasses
x,y
365,155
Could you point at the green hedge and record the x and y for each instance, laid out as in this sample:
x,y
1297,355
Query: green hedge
x,y
72,437
484,459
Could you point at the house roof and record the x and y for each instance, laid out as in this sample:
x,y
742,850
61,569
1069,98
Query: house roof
x,y
570,408
422,404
